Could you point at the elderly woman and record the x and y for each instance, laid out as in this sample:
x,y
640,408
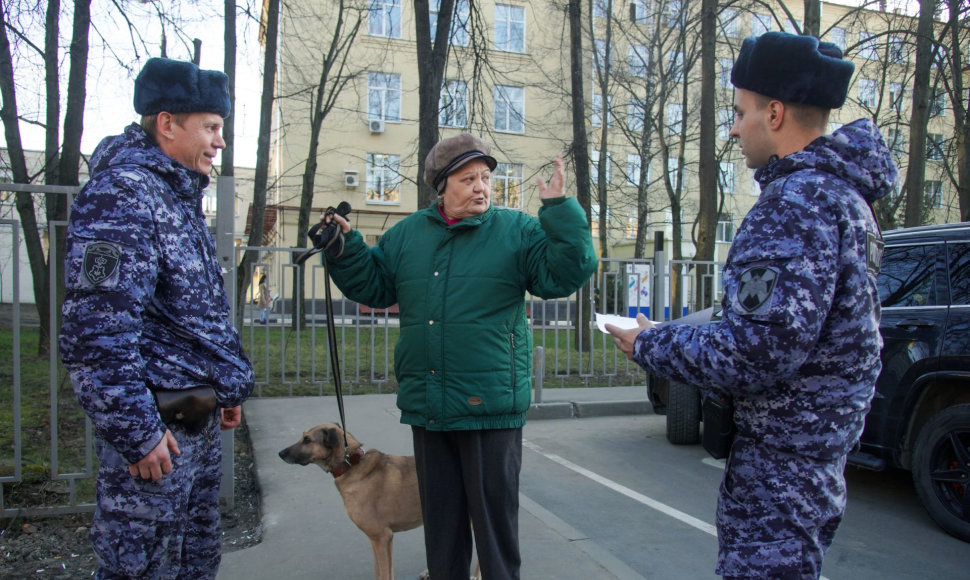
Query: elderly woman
x,y
459,271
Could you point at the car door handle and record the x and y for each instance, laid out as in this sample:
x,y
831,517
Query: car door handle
x,y
921,323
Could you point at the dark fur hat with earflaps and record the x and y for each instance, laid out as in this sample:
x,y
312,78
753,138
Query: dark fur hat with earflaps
x,y
793,69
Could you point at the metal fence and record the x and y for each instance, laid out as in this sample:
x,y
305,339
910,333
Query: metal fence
x,y
46,443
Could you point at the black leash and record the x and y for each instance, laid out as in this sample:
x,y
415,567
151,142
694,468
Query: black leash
x,y
332,345
327,238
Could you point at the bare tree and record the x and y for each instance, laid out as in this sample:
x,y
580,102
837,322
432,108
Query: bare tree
x,y
269,32
958,33
915,174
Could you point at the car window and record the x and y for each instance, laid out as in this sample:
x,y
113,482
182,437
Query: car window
x,y
959,254
907,276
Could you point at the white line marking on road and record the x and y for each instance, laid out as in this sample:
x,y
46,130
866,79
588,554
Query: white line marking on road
x,y
639,497
718,463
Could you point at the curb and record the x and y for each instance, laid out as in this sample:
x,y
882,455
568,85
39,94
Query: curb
x,y
579,410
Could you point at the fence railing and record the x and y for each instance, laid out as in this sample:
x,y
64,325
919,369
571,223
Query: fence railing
x,y
46,441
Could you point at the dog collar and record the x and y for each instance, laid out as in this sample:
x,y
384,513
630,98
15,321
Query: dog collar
x,y
349,461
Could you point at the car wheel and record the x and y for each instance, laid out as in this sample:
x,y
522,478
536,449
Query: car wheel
x,y
941,469
683,414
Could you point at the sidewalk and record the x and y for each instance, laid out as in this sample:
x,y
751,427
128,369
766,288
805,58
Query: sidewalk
x,y
307,534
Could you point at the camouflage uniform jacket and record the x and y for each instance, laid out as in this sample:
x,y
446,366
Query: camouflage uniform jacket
x,y
145,306
798,344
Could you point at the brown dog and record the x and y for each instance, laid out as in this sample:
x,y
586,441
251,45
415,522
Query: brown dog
x,y
380,491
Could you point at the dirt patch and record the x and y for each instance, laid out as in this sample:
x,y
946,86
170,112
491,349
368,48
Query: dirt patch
x,y
58,547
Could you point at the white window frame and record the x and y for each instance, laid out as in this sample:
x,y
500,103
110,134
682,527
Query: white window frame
x,y
938,103
638,62
594,164
760,23
838,38
675,66
728,22
867,46
673,167
674,118
725,120
896,95
507,180
897,50
510,28
724,72
596,119
384,18
727,177
453,104
868,92
633,164
509,108
383,179
725,228
933,193
934,147
384,96
635,115
459,21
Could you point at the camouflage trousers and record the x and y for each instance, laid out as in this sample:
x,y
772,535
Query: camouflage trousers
x,y
777,513
168,529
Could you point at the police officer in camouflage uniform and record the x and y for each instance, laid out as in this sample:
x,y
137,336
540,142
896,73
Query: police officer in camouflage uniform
x,y
798,346
146,310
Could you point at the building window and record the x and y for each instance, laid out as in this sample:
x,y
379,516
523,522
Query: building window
x,y
383,178
594,162
934,147
601,56
725,120
638,10
868,92
837,37
760,24
594,218
631,225
673,13
725,227
597,118
675,118
897,50
638,60
728,21
507,185
833,127
675,66
209,200
509,28
384,18
635,115
673,170
509,109
933,193
894,139
724,78
633,164
601,9
384,96
793,27
938,104
725,177
867,46
896,97
453,104
459,21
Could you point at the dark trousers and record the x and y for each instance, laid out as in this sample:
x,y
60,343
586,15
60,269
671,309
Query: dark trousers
x,y
470,476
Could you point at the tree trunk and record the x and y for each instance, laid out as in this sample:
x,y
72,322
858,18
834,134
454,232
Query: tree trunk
x,y
961,121
921,106
432,60
709,168
812,24
580,147
229,63
250,257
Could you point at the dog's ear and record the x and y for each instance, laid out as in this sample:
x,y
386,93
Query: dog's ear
x,y
329,438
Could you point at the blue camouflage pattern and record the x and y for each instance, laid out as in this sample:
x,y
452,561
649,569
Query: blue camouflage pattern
x,y
797,349
146,308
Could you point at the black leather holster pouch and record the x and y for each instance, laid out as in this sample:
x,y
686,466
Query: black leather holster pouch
x,y
191,408
719,430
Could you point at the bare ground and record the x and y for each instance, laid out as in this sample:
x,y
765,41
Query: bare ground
x,y
58,547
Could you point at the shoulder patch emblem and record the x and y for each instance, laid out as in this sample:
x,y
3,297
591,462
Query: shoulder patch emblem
x,y
100,262
756,287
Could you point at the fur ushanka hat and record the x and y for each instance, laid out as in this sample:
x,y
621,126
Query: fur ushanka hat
x,y
177,86
793,69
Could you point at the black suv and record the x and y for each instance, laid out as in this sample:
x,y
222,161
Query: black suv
x,y
920,416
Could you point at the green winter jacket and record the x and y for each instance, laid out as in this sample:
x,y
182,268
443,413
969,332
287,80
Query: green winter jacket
x,y
464,356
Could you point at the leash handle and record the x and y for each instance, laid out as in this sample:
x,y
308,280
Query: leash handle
x,y
332,345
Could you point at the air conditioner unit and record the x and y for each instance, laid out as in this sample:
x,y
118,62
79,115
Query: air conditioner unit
x,y
376,125
350,178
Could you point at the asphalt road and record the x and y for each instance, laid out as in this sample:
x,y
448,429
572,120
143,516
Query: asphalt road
x,y
651,504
